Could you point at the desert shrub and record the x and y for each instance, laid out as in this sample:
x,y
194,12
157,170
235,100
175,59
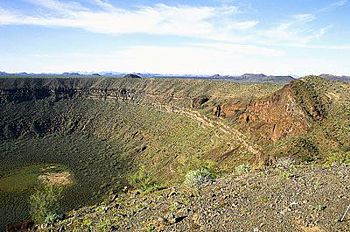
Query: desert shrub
x,y
285,174
87,223
151,228
198,177
104,224
337,158
285,162
144,181
305,149
45,203
243,168
347,110
194,163
50,218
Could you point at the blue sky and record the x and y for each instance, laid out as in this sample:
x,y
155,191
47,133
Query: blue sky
x,y
297,37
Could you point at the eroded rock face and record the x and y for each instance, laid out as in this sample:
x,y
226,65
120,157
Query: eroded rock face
x,y
21,90
199,101
288,112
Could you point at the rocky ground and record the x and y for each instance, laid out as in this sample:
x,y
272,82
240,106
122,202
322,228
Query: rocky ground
x,y
310,198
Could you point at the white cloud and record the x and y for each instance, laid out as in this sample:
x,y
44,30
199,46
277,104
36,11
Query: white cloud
x,y
103,4
326,47
214,23
58,5
333,6
244,25
159,19
339,3
296,29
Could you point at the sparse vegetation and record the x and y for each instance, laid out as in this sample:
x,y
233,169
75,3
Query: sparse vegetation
x,y
243,168
285,174
178,209
151,228
337,159
45,203
199,177
143,180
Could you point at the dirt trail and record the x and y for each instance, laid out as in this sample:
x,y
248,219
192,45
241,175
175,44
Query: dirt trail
x,y
207,122
204,122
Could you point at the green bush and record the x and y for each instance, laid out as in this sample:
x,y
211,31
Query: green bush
x,y
243,168
338,158
144,181
198,177
191,163
50,218
45,203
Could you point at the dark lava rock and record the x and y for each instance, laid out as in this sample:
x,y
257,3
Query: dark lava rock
x,y
199,101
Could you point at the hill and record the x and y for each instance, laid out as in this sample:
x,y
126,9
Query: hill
x,y
260,78
336,78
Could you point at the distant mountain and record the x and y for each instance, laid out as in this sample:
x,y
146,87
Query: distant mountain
x,y
335,78
71,74
255,78
14,74
132,76
245,78
112,74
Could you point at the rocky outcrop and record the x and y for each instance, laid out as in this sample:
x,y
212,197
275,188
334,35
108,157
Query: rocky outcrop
x,y
20,91
288,112
199,101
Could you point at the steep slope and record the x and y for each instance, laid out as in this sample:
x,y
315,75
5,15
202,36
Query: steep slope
x,y
307,199
259,117
126,124
254,115
289,111
66,106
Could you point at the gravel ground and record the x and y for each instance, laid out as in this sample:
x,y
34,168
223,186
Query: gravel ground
x,y
310,199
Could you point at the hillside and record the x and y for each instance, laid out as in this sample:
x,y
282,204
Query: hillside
x,y
103,131
283,198
336,78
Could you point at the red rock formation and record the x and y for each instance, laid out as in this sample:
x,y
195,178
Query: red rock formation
x,y
288,112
